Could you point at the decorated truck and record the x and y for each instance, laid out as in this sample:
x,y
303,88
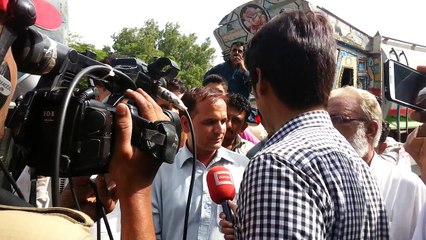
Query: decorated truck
x,y
360,57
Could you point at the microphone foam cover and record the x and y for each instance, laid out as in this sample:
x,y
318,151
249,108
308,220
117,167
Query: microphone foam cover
x,y
220,184
48,17
3,5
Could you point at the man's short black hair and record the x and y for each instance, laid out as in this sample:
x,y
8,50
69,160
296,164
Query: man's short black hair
x,y
296,53
175,85
196,95
238,44
239,103
385,132
216,78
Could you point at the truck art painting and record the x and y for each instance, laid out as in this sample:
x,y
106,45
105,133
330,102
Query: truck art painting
x,y
360,57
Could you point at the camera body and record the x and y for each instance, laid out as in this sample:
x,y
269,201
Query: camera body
x,y
87,132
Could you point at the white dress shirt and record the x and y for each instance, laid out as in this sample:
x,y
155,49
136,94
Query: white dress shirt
x,y
404,194
170,193
114,222
242,146
420,232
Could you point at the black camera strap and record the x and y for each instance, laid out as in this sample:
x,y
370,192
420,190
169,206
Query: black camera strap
x,y
161,140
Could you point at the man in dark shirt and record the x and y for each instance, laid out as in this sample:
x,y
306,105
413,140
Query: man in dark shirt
x,y
307,182
234,71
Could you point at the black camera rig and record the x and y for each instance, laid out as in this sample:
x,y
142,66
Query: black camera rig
x,y
60,119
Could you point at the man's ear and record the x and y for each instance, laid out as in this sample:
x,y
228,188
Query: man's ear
x,y
262,85
185,124
256,83
372,128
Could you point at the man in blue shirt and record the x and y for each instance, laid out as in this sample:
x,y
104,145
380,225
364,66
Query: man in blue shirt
x,y
208,110
234,71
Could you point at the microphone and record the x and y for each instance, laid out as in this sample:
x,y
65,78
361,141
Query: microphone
x,y
36,53
221,188
17,16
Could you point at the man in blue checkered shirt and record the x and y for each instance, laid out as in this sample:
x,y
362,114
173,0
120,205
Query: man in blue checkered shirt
x,y
307,182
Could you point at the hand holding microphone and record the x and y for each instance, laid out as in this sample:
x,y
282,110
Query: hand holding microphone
x,y
221,188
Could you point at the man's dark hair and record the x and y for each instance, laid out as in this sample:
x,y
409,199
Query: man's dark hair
x,y
216,78
238,44
239,103
295,52
199,94
175,85
385,132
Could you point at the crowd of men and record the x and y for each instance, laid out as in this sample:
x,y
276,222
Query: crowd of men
x,y
318,175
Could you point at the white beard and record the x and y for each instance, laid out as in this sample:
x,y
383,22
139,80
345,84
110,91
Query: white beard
x,y
359,141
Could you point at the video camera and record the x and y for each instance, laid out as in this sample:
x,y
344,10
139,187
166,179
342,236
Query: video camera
x,y
60,119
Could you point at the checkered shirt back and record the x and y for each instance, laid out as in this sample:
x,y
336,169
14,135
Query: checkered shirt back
x,y
309,183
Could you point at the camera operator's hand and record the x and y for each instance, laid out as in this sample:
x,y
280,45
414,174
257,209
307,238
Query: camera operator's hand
x,y
415,143
132,170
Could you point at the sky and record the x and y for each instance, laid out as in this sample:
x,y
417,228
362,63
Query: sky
x,y
96,20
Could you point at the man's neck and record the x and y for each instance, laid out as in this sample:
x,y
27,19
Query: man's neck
x,y
234,66
369,157
205,157
229,143
270,105
279,120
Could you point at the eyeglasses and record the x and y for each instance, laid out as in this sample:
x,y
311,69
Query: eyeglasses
x,y
340,119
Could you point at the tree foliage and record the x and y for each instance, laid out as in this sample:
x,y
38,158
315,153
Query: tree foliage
x,y
149,42
75,41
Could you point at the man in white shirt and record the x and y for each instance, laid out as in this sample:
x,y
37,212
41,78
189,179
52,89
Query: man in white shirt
x,y
208,111
358,116
420,232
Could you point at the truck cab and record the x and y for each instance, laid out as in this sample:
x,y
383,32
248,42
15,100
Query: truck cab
x,y
360,57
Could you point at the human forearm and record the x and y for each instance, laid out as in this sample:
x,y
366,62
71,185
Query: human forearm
x,y
416,147
136,215
133,170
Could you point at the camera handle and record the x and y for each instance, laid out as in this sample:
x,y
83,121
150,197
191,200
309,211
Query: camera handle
x,y
159,138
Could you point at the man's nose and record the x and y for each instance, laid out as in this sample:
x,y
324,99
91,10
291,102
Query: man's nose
x,y
228,124
219,128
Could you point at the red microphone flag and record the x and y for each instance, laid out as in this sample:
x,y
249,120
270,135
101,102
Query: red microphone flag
x,y
220,184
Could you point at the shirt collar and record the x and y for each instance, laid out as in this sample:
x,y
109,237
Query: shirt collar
x,y
304,120
185,154
238,143
374,161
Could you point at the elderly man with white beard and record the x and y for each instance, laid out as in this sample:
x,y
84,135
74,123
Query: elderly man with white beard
x,y
357,115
